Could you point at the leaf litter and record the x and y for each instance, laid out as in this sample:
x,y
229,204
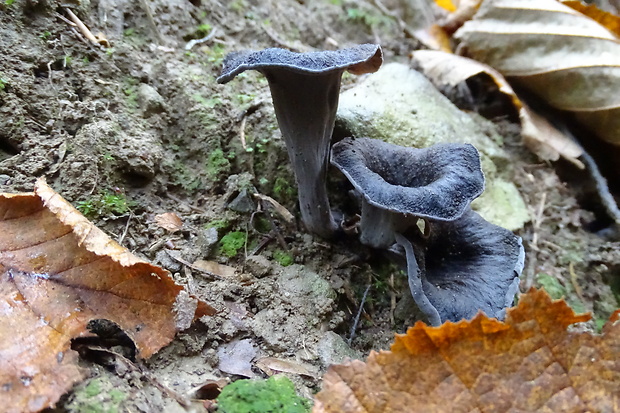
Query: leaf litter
x,y
530,362
59,272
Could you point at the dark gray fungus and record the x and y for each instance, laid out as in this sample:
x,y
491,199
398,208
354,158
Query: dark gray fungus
x,y
399,185
462,267
305,88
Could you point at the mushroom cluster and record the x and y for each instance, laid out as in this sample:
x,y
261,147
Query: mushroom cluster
x,y
458,264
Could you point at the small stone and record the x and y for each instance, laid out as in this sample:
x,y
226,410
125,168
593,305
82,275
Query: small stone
x,y
151,102
242,202
258,265
332,349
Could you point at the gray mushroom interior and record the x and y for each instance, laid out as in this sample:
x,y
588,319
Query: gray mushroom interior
x,y
468,265
438,182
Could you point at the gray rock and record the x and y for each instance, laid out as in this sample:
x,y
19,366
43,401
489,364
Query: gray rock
x,y
332,349
399,105
258,265
151,102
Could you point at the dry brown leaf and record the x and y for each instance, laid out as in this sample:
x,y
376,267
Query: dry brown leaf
x,y
528,363
464,12
539,135
564,57
272,365
610,21
214,268
58,272
169,221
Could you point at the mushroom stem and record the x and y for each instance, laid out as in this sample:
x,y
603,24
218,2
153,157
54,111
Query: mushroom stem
x,y
415,282
307,130
378,226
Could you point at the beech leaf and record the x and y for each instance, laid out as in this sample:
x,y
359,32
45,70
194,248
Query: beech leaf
x,y
564,57
540,136
530,362
57,273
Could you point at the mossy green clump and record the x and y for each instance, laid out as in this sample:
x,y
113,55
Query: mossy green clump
x,y
105,204
274,395
283,190
556,290
283,258
97,397
231,243
217,164
219,224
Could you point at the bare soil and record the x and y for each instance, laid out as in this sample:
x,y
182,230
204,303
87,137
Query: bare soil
x,y
144,121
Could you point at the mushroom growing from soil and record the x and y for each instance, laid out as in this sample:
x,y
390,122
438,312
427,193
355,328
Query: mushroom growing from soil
x,y
462,267
305,88
399,185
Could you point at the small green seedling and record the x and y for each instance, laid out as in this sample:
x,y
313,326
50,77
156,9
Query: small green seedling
x,y
105,204
274,395
283,258
231,243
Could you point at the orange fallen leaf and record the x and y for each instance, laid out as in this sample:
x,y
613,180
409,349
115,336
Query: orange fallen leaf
x,y
57,273
530,362
169,221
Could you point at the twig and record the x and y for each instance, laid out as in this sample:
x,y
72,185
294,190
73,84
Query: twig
x,y
85,31
358,315
194,42
242,133
573,281
538,219
192,266
174,198
392,299
122,237
149,17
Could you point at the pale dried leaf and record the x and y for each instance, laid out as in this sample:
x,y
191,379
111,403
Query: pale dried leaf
x,y
214,268
272,365
235,357
280,210
610,21
169,221
564,57
539,135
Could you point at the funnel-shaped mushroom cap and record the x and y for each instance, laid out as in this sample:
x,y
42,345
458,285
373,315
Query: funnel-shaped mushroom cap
x,y
464,266
305,88
438,182
364,58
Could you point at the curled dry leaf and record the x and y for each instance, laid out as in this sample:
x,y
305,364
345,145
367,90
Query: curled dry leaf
x,y
272,365
169,221
528,363
57,273
540,136
564,57
610,21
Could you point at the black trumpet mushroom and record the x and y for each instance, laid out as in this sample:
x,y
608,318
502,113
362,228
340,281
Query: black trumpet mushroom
x,y
399,185
462,267
460,264
305,88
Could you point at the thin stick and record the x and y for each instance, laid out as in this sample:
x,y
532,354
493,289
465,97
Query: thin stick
x,y
85,30
242,133
358,315
194,42
149,17
122,237
392,299
193,267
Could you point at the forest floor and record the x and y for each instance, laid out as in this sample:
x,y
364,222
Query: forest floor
x,y
141,128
